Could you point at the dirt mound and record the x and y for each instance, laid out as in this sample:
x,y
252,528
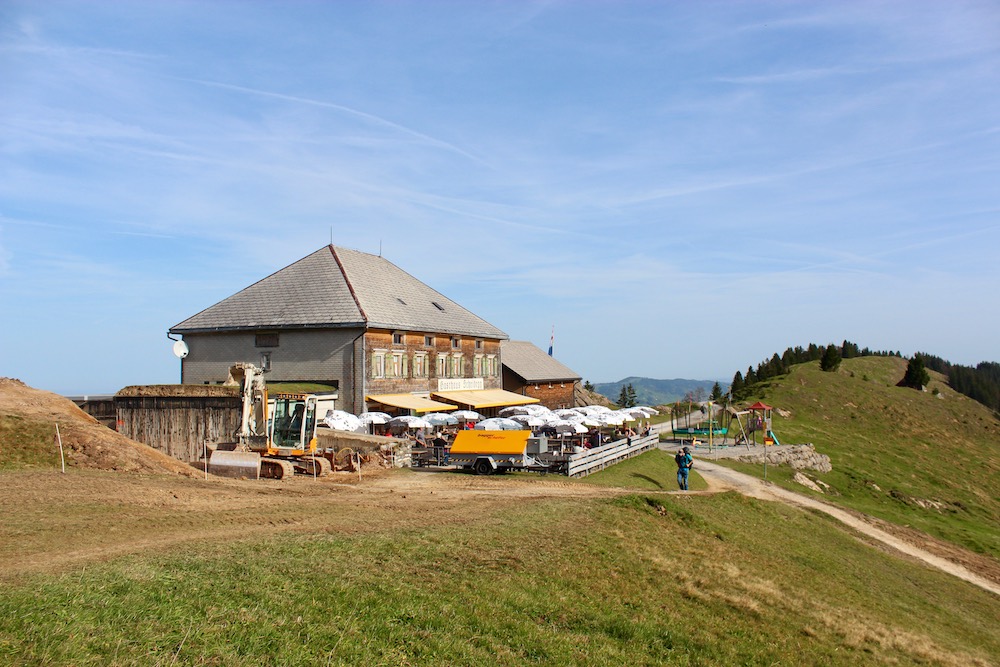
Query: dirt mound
x,y
86,442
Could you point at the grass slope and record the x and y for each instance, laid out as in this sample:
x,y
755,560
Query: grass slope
x,y
644,579
913,458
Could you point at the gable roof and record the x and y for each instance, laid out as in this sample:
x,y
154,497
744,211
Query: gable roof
x,y
339,287
532,364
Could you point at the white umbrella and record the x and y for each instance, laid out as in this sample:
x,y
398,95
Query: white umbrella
x,y
467,415
625,415
341,421
440,419
567,413
571,417
368,418
515,410
648,410
409,421
537,409
529,420
565,426
499,424
610,419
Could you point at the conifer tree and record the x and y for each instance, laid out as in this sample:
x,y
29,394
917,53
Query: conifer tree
x,y
623,398
916,376
716,394
831,359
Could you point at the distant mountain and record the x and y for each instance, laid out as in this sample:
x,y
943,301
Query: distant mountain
x,y
658,392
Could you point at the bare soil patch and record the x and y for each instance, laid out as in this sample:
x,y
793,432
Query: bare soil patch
x,y
87,443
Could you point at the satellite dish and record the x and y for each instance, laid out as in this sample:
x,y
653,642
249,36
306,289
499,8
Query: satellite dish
x,y
180,349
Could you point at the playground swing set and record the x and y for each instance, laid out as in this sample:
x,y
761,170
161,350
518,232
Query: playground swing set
x,y
758,418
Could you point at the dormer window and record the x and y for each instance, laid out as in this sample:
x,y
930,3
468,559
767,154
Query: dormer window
x,y
438,306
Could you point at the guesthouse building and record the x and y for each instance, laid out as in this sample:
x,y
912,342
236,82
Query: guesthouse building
x,y
356,322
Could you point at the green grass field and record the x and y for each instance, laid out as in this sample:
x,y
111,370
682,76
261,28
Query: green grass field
x,y
926,460
634,580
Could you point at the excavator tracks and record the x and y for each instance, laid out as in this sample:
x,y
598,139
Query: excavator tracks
x,y
276,468
313,465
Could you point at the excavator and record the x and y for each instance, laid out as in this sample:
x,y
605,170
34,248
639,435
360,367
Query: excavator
x,y
277,434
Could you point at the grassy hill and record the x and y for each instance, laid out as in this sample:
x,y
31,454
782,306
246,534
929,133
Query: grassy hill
x,y
930,460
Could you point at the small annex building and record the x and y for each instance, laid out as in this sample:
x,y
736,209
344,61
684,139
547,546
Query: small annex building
x,y
356,322
529,371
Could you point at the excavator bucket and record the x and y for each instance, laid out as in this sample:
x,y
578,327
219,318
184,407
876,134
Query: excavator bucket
x,y
234,464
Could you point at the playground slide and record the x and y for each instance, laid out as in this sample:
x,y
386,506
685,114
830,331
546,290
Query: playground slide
x,y
771,435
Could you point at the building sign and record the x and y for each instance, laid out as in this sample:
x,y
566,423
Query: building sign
x,y
460,384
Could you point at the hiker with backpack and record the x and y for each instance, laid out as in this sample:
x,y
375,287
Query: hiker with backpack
x,y
684,462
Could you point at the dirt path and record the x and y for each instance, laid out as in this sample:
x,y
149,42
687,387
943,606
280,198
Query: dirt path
x,y
720,478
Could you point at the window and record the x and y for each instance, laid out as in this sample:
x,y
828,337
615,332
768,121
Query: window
x,y
478,368
429,341
479,344
420,365
397,368
265,361
456,342
378,364
442,360
397,339
457,369
265,340
438,306
492,366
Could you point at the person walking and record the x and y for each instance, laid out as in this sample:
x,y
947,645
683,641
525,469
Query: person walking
x,y
684,462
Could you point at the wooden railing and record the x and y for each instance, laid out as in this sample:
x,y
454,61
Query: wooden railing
x,y
599,458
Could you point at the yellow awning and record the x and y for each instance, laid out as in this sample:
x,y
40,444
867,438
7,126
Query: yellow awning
x,y
485,398
410,402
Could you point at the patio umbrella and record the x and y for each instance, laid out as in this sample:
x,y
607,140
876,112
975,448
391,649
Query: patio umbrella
x,y
467,415
341,421
368,418
529,420
565,426
440,419
515,410
610,419
499,424
409,421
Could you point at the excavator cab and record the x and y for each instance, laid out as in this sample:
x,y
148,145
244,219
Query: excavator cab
x,y
292,424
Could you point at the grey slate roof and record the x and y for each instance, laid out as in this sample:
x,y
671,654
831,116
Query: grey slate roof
x,y
532,364
339,287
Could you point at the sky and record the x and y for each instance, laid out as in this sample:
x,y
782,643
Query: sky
x,y
679,189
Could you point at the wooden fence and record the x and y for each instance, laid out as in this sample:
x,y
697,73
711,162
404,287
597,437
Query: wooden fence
x,y
179,426
599,458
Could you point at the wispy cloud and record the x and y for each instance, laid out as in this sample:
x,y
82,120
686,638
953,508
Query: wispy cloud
x,y
363,115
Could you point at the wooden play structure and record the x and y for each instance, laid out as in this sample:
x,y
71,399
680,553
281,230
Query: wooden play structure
x,y
758,419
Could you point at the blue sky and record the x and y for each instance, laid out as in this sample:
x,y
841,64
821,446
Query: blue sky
x,y
680,188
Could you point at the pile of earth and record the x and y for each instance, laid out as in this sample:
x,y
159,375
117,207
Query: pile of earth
x,y
87,443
